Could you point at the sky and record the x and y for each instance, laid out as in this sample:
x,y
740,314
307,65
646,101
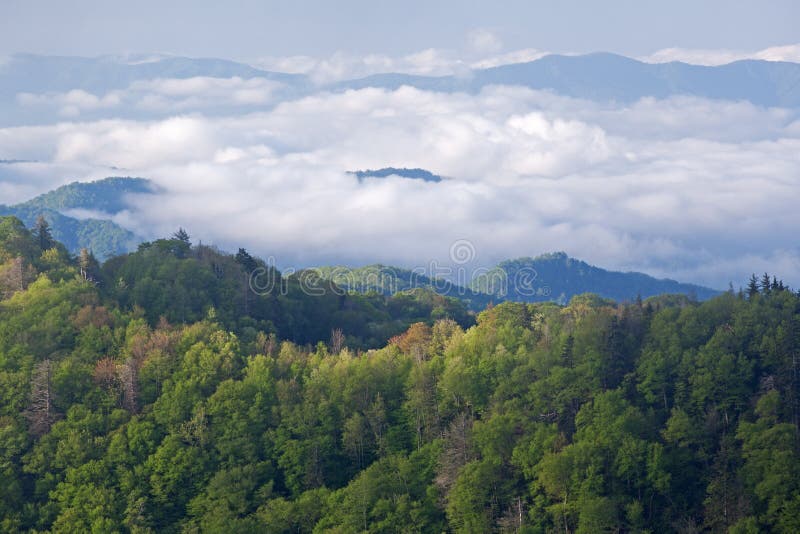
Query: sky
x,y
697,190
247,29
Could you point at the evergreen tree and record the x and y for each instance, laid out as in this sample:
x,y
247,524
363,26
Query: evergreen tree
x,y
42,233
247,261
766,284
181,244
752,286
182,236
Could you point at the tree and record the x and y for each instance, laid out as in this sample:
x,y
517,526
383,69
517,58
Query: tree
x,y
129,378
88,265
752,286
42,233
181,235
15,276
337,340
247,261
181,245
41,414
766,284
771,467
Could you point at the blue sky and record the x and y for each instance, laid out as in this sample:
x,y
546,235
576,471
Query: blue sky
x,y
245,28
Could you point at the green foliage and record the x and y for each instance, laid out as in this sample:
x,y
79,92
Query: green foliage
x,y
160,398
386,280
169,278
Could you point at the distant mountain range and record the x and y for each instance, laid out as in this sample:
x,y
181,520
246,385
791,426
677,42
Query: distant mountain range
x,y
36,73
599,76
611,77
80,214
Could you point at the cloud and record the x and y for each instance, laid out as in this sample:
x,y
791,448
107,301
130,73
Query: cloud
x,y
483,49
790,53
689,188
484,41
168,95
342,66
71,103
516,56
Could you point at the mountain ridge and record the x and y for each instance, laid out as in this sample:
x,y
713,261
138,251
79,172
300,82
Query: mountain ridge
x,y
549,277
599,76
103,237
559,277
606,76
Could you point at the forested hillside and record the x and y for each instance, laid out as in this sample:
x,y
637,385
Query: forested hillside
x,y
100,199
388,280
160,392
558,277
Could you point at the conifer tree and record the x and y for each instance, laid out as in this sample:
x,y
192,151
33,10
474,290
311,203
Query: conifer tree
x,y
766,284
42,233
752,286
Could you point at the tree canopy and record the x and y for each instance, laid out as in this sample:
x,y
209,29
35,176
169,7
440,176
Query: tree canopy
x,y
166,392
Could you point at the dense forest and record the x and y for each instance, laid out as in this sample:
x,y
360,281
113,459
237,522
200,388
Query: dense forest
x,y
159,392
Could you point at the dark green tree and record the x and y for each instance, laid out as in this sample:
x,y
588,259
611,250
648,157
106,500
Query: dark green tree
x,y
752,286
42,233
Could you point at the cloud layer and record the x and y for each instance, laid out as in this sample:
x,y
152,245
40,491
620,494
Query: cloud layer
x,y
698,190
156,96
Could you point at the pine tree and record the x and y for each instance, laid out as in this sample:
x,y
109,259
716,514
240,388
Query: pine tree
x,y
182,243
181,235
247,261
42,233
752,286
766,284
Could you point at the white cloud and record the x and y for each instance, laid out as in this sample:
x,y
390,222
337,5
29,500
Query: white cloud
x,y
688,188
483,50
342,66
71,103
484,41
516,56
789,53
160,95
202,91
